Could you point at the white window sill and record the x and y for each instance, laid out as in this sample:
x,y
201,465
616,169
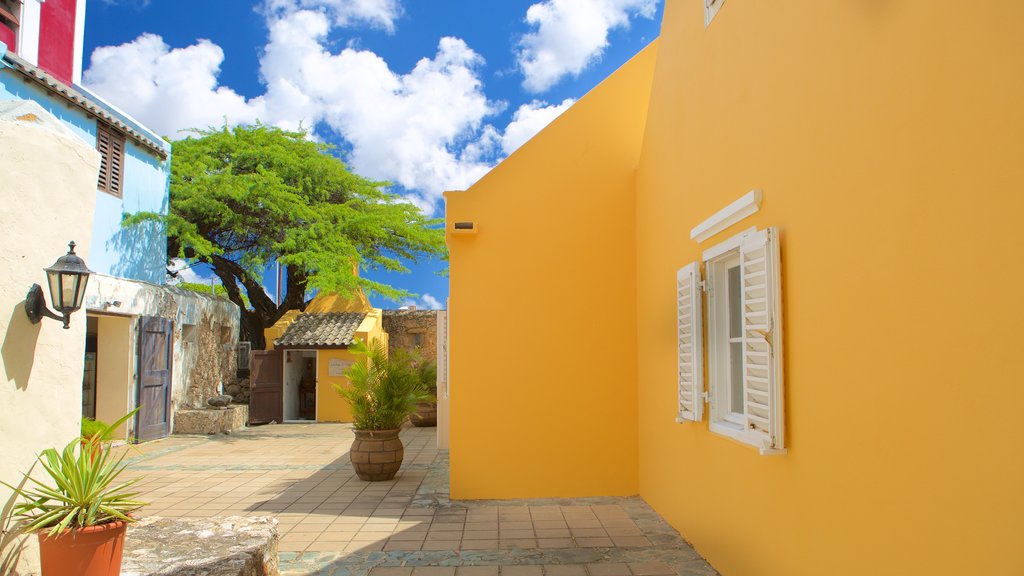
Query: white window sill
x,y
741,435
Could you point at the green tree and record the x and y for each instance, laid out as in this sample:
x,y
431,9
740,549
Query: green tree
x,y
244,197
217,290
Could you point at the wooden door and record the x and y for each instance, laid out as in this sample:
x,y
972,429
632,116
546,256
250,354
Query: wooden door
x,y
266,387
156,336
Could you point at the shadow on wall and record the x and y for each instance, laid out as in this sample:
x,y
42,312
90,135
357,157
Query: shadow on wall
x,y
142,251
19,347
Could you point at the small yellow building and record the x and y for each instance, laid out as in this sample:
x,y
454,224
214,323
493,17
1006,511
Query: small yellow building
x,y
307,355
774,256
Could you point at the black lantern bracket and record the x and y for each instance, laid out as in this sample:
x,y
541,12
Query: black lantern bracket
x,y
35,307
68,278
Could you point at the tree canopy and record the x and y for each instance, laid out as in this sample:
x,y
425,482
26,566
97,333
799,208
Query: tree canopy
x,y
242,198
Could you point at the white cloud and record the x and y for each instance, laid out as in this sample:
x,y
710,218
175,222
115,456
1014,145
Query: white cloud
x,y
423,129
571,34
376,13
406,128
528,120
186,273
425,302
169,90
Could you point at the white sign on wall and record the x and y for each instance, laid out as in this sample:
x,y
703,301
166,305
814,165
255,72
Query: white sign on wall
x,y
336,367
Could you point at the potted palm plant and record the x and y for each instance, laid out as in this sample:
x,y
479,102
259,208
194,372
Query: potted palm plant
x,y
82,514
383,393
426,412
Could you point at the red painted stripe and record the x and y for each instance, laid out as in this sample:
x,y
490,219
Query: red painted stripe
x,y
7,36
57,38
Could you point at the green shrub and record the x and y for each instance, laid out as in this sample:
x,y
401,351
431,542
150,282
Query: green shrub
x,y
96,428
384,389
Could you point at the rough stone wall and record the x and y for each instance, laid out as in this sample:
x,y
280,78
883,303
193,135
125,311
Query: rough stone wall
x,y
213,361
403,326
205,332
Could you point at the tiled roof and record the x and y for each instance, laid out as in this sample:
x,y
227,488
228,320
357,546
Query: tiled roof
x,y
317,330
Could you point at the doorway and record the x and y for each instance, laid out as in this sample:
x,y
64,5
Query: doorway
x,y
107,392
89,378
300,385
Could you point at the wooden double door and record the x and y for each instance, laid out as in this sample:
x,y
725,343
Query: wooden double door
x,y
266,387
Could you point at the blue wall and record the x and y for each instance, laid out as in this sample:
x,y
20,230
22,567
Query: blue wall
x,y
140,252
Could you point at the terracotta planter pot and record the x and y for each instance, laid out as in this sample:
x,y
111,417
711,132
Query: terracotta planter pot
x,y
377,454
426,414
92,551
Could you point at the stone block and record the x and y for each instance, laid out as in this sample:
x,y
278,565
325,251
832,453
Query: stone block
x,y
211,421
225,546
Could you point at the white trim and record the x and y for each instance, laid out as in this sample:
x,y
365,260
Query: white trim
x,y
28,32
746,205
79,48
711,8
727,245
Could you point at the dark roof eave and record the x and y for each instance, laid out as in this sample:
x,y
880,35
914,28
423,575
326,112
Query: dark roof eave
x,y
72,96
311,346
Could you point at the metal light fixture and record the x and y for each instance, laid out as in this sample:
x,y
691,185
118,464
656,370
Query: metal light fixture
x,y
67,278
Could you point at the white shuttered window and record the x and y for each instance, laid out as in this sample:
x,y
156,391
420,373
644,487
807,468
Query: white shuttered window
x,y
745,352
689,309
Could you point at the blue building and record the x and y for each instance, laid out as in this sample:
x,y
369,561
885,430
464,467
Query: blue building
x,y
145,341
134,175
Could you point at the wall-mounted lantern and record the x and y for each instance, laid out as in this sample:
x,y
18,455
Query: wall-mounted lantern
x,y
67,278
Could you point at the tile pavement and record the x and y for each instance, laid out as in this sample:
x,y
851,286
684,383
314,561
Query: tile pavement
x,y
334,524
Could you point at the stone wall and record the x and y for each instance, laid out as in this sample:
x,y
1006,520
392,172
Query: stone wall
x,y
414,330
205,332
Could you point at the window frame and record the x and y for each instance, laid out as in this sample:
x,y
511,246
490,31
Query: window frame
x,y
722,418
717,261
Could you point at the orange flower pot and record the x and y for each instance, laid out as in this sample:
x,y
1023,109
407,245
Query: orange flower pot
x,y
92,551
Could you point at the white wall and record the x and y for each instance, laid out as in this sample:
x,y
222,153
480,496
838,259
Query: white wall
x,y
292,376
47,198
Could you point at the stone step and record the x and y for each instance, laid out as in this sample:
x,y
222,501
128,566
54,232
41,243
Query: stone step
x,y
216,546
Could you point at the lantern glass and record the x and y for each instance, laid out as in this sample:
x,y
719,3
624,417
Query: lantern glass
x,y
56,291
67,278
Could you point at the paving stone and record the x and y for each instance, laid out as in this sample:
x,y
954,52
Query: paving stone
x,y
565,570
476,571
521,571
651,569
608,569
300,474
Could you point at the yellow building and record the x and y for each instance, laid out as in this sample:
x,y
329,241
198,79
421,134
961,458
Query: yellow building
x,y
771,206
308,355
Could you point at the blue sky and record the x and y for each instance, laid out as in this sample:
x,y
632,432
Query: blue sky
x,y
428,95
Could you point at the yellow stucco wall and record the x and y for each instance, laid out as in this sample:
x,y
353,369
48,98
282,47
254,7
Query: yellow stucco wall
x,y
330,407
278,329
887,137
542,310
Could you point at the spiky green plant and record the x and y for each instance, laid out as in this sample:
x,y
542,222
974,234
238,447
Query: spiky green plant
x,y
427,371
384,388
83,492
12,537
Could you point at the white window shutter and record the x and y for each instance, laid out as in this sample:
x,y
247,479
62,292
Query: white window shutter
x,y
689,341
762,340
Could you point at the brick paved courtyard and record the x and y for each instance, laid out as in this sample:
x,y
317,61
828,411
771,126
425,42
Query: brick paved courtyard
x,y
334,524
